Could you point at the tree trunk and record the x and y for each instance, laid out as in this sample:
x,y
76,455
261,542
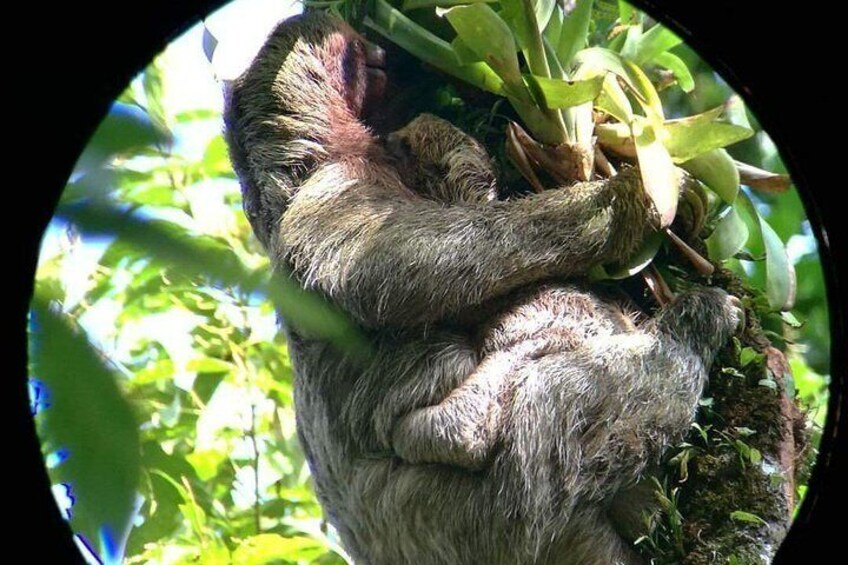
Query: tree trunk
x,y
737,490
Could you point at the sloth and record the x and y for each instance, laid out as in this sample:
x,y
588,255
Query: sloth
x,y
506,412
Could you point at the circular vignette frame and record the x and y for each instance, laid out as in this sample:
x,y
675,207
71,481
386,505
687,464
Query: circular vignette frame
x,y
98,53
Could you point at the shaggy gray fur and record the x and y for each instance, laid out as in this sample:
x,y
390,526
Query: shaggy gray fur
x,y
505,414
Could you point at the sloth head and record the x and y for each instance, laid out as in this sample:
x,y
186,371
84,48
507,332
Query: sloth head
x,y
313,71
300,102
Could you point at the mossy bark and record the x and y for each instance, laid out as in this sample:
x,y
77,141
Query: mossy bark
x,y
738,496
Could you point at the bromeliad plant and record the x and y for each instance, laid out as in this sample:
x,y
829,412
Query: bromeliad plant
x,y
582,104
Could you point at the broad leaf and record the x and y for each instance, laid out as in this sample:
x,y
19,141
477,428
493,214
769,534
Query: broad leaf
x,y
597,60
417,4
646,94
627,14
544,10
659,175
575,30
565,94
488,36
464,54
523,20
264,549
734,110
90,418
694,135
209,365
396,27
678,68
125,130
203,256
729,236
613,100
780,275
552,31
653,42
717,170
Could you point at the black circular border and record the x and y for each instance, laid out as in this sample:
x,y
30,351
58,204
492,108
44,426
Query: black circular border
x,y
76,59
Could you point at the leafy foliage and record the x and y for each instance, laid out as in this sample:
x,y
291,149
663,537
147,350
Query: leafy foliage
x,y
192,411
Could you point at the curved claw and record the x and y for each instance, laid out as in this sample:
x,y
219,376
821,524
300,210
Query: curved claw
x,y
518,157
657,285
692,193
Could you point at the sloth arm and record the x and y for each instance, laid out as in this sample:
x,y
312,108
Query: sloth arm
x,y
393,259
622,398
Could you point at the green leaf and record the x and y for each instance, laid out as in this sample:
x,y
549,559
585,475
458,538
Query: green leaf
x,y
741,516
151,81
209,365
747,356
196,516
678,68
791,320
736,113
216,158
544,10
157,195
699,134
215,553
464,54
553,30
613,100
210,258
631,38
729,236
626,13
522,19
265,549
90,418
557,93
717,170
780,276
653,42
748,212
594,60
418,4
206,462
575,30
659,175
125,130
488,36
197,115
396,27
161,370
646,93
